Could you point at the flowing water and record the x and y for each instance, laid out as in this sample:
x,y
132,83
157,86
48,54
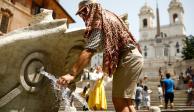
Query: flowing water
x,y
68,96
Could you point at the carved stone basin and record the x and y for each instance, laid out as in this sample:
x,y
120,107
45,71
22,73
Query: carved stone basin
x,y
45,43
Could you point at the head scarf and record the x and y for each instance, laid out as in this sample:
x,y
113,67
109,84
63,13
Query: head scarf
x,y
116,34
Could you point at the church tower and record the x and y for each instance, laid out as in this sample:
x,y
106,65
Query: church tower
x,y
161,44
176,12
146,17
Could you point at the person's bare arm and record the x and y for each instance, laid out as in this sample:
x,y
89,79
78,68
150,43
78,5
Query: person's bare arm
x,y
163,88
93,43
82,61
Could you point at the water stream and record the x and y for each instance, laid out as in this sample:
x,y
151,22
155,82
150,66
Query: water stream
x,y
68,96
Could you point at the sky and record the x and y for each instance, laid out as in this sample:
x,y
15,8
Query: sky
x,y
132,7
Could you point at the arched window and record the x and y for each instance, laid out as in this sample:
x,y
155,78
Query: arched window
x,y
145,23
175,18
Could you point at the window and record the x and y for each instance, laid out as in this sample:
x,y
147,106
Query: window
x,y
35,8
165,35
145,51
54,14
166,51
4,23
145,48
5,20
145,23
175,18
178,50
145,54
177,47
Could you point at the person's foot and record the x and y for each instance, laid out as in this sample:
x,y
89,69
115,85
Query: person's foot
x,y
160,105
171,105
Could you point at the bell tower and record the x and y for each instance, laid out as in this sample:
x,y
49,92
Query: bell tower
x,y
176,12
146,17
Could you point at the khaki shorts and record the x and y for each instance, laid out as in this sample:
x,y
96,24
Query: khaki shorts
x,y
127,74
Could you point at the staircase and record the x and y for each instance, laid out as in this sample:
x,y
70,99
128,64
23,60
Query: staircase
x,y
108,89
180,97
179,100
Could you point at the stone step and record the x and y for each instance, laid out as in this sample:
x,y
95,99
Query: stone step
x,y
176,96
175,103
179,100
178,110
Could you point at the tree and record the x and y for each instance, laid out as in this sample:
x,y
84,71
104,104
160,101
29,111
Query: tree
x,y
188,49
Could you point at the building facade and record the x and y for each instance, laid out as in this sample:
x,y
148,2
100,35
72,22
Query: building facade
x,y
15,14
161,45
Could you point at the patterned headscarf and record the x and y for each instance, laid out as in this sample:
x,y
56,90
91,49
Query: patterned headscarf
x,y
116,34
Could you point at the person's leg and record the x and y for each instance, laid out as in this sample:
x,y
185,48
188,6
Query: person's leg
x,y
123,105
148,104
138,102
171,100
166,101
166,105
161,102
130,104
120,104
125,80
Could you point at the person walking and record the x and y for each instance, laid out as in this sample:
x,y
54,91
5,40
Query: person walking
x,y
138,96
97,96
146,97
160,95
168,90
106,32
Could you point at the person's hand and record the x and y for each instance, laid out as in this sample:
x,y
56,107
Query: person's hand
x,y
65,79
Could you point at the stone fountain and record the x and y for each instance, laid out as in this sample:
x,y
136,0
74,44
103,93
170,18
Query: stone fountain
x,y
45,42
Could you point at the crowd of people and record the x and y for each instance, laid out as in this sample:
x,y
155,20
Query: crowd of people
x,y
142,96
165,92
166,89
186,80
189,80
